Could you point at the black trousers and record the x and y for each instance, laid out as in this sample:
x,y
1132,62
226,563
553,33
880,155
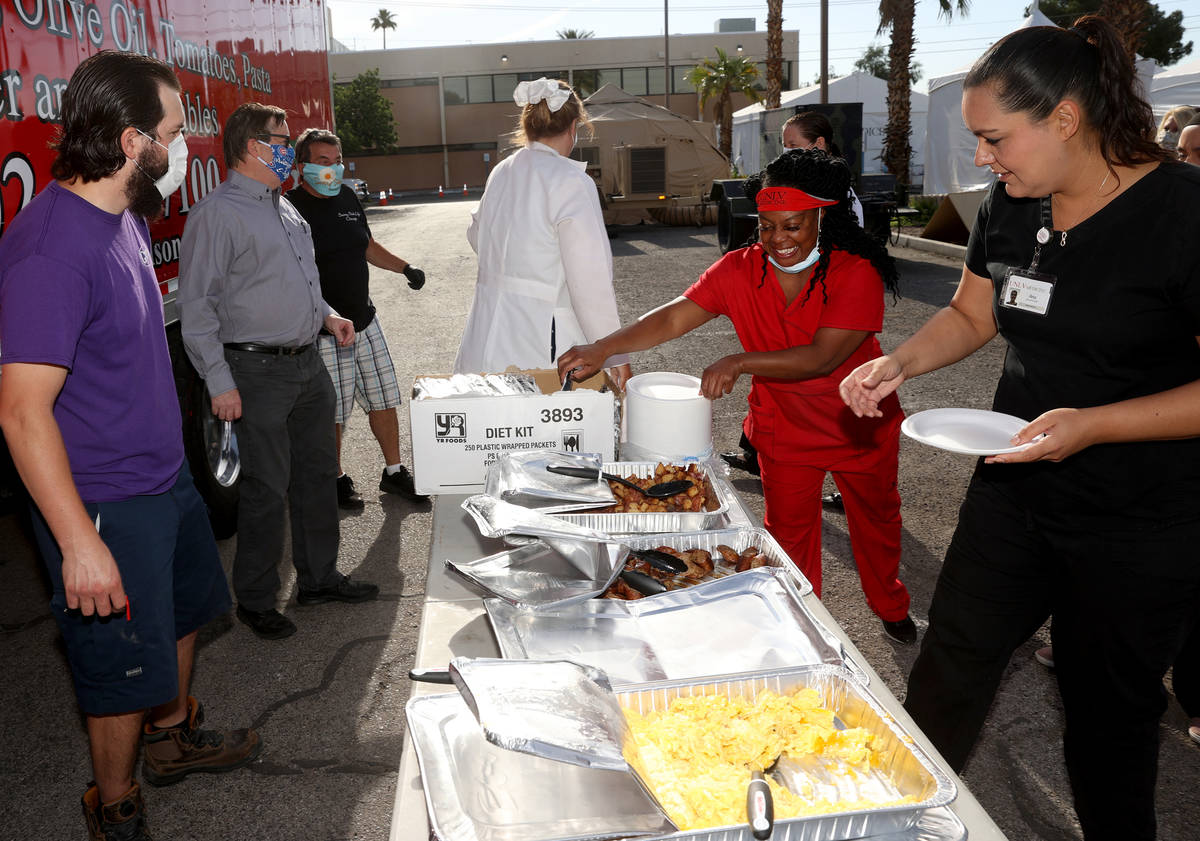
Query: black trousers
x,y
289,465
1123,601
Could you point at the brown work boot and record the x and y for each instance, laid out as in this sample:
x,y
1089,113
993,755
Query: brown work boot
x,y
171,753
124,820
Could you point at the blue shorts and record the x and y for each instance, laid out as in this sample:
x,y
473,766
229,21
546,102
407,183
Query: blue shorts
x,y
172,575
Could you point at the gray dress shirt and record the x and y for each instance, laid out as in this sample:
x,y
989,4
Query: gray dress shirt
x,y
247,273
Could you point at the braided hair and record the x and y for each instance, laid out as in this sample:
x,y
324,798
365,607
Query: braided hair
x,y
819,173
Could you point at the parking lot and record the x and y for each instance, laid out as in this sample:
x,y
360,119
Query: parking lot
x,y
329,701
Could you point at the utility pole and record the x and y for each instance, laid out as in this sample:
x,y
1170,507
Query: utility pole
x,y
666,58
824,51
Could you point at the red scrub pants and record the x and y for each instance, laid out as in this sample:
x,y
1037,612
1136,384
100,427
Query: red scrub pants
x,y
792,494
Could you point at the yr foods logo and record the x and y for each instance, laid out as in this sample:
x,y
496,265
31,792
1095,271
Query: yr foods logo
x,y
450,427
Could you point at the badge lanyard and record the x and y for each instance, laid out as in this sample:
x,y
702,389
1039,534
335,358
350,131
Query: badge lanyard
x,y
1030,290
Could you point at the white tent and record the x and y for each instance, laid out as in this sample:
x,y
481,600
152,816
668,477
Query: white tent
x,y
856,87
950,148
1179,85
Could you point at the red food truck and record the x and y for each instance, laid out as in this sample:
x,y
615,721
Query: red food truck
x,y
225,52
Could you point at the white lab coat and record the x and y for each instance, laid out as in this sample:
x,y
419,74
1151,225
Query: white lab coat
x,y
544,260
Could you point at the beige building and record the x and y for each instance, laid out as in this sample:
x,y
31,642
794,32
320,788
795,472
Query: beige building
x,y
451,104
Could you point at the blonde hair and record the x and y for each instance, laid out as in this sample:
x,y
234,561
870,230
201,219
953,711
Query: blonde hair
x,y
1182,114
538,121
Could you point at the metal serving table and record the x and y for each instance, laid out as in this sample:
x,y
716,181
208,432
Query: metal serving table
x,y
454,624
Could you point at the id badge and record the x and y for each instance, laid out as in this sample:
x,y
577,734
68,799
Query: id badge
x,y
1027,290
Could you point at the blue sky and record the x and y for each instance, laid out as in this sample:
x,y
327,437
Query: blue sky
x,y
941,46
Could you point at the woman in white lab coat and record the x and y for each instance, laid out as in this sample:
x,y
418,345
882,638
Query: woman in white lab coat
x,y
545,267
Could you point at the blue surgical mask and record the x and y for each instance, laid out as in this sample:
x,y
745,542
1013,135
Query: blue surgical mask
x,y
326,180
813,257
282,157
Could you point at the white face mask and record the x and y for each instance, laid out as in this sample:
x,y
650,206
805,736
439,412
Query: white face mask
x,y
813,256
177,156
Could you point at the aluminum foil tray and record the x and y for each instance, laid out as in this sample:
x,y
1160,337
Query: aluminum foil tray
x,y
762,620
907,765
522,479
653,523
737,539
550,571
476,791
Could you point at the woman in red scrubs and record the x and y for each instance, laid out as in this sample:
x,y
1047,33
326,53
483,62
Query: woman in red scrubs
x,y
806,302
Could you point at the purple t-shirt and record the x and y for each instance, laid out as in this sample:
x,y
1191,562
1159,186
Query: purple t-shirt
x,y
77,289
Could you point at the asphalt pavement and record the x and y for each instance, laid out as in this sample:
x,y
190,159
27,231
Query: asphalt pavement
x,y
329,701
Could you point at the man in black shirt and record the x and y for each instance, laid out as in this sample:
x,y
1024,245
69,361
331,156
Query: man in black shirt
x,y
362,372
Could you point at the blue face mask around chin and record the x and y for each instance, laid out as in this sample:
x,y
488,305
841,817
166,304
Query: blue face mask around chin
x,y
282,157
326,180
813,256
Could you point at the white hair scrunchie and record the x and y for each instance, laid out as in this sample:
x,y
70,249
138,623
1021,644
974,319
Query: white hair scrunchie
x,y
531,93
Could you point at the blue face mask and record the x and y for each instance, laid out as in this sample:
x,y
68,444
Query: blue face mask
x,y
282,158
326,180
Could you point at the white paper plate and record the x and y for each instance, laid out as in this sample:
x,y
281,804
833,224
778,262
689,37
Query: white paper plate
x,y
973,432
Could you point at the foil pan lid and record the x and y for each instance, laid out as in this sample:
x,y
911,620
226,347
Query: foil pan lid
x,y
554,709
496,518
522,478
547,572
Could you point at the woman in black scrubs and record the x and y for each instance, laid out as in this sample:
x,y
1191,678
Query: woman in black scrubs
x,y
1098,521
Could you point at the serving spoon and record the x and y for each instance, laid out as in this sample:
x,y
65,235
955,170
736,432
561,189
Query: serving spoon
x,y
660,491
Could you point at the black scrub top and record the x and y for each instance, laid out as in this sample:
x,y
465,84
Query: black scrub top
x,y
1122,322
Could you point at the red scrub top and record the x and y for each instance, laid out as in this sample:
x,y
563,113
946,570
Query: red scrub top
x,y
803,421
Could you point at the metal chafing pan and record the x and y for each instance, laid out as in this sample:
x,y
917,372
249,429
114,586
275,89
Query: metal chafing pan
x,y
477,791
762,621
550,571
736,539
522,478
913,772
647,523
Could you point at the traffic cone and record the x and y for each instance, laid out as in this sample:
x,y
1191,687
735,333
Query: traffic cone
x,y
441,192
464,189
383,197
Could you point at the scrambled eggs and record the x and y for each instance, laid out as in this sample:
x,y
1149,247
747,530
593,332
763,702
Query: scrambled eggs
x,y
697,756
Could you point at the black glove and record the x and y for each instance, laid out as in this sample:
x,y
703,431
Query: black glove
x,y
416,277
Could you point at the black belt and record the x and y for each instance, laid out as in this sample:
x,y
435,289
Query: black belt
x,y
275,350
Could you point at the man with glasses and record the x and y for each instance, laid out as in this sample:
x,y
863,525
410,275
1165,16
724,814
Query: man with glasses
x,y
362,373
90,414
251,308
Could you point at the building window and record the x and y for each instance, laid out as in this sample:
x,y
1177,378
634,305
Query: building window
x,y
633,80
608,76
454,90
585,82
588,154
679,82
654,81
479,89
503,85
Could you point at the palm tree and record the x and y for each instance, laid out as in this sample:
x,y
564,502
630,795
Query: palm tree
x,y
722,78
899,14
774,52
384,21
572,34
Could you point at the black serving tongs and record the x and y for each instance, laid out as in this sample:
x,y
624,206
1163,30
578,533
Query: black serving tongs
x,y
660,491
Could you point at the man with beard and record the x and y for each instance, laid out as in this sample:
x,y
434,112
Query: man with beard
x,y
89,410
250,307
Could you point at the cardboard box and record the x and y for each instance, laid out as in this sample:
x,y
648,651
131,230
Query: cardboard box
x,y
455,439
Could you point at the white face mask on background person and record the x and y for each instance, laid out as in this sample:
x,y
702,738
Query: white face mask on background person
x,y
177,156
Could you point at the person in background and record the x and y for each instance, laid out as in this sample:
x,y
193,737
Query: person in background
x,y
250,310
806,301
1094,521
545,266
361,372
1172,124
91,417
1188,147
811,130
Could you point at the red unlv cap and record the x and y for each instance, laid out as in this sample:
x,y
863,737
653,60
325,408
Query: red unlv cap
x,y
788,198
